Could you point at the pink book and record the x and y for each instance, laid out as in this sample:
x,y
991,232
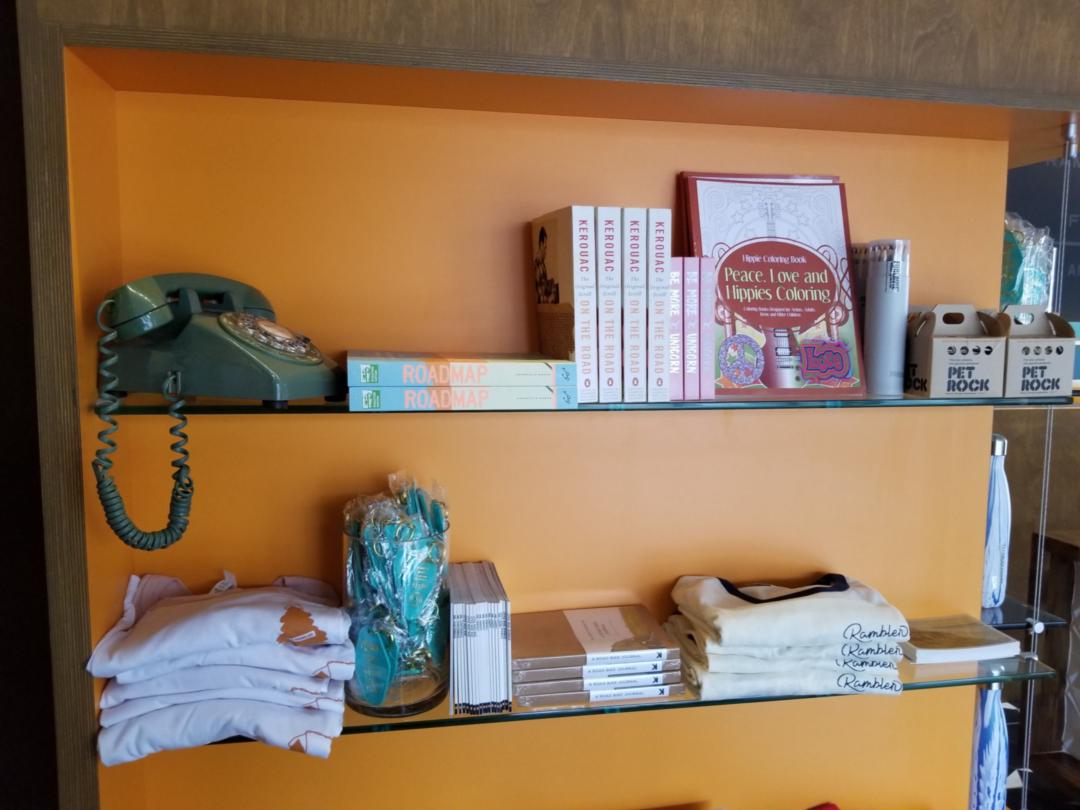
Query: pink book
x,y
707,329
675,329
691,328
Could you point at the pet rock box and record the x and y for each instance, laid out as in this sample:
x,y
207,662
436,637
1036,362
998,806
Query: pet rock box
x,y
955,352
1039,353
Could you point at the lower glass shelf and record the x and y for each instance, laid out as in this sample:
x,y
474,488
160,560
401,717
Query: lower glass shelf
x,y
913,676
1014,614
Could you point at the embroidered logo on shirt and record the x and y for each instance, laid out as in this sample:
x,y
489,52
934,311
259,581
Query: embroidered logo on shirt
x,y
299,629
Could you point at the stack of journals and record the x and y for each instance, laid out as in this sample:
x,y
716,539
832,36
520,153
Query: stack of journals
x,y
949,639
567,658
388,381
601,276
479,640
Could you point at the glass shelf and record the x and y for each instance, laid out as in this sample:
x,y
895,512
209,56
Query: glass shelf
x,y
1014,614
914,677
141,405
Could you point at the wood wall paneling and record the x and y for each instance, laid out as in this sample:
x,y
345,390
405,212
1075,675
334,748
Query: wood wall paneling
x,y
995,51
41,58
28,756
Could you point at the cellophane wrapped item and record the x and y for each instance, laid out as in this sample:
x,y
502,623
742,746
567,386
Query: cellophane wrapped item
x,y
396,554
1027,263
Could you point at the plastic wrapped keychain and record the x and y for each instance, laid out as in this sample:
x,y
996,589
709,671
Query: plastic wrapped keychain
x,y
396,594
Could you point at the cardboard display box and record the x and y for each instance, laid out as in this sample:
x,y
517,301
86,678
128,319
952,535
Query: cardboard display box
x,y
955,352
1039,353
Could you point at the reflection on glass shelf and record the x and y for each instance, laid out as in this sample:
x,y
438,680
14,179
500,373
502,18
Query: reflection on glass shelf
x,y
923,676
914,677
139,404
1014,614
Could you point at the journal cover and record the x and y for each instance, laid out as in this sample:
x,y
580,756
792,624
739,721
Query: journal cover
x,y
947,639
635,304
564,270
663,678
597,670
785,326
609,301
568,638
566,700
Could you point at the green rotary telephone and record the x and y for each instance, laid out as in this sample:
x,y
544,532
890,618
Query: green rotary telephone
x,y
190,334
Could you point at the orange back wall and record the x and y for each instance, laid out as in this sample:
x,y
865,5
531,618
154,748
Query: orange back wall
x,y
403,228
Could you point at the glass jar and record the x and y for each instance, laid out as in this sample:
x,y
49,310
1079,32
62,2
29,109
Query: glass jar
x,y
398,601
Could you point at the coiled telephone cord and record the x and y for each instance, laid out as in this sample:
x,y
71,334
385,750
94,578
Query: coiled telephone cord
x,y
111,501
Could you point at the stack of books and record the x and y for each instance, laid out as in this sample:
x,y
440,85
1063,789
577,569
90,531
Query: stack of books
x,y
602,297
578,658
479,640
390,381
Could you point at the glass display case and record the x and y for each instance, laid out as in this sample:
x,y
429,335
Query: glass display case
x,y
1042,467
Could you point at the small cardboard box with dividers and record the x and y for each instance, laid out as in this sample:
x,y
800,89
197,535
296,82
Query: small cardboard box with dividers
x,y
1039,353
955,352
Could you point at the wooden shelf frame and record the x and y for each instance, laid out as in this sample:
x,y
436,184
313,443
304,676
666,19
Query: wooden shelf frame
x,y
963,54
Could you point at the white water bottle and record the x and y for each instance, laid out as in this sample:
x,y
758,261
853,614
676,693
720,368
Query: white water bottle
x,y
998,527
885,324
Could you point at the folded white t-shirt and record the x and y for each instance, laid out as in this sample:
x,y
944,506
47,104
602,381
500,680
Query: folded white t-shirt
x,y
331,700
689,639
160,623
801,683
327,662
200,679
188,725
832,610
875,652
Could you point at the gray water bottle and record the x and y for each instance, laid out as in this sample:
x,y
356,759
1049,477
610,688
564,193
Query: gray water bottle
x,y
885,324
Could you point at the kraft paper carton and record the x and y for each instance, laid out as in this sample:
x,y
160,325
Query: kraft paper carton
x,y
955,352
1039,353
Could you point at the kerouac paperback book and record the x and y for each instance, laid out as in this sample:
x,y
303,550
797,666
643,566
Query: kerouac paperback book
x,y
782,324
609,301
659,265
564,270
635,304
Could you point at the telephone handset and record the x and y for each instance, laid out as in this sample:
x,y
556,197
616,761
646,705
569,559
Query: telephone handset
x,y
191,334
